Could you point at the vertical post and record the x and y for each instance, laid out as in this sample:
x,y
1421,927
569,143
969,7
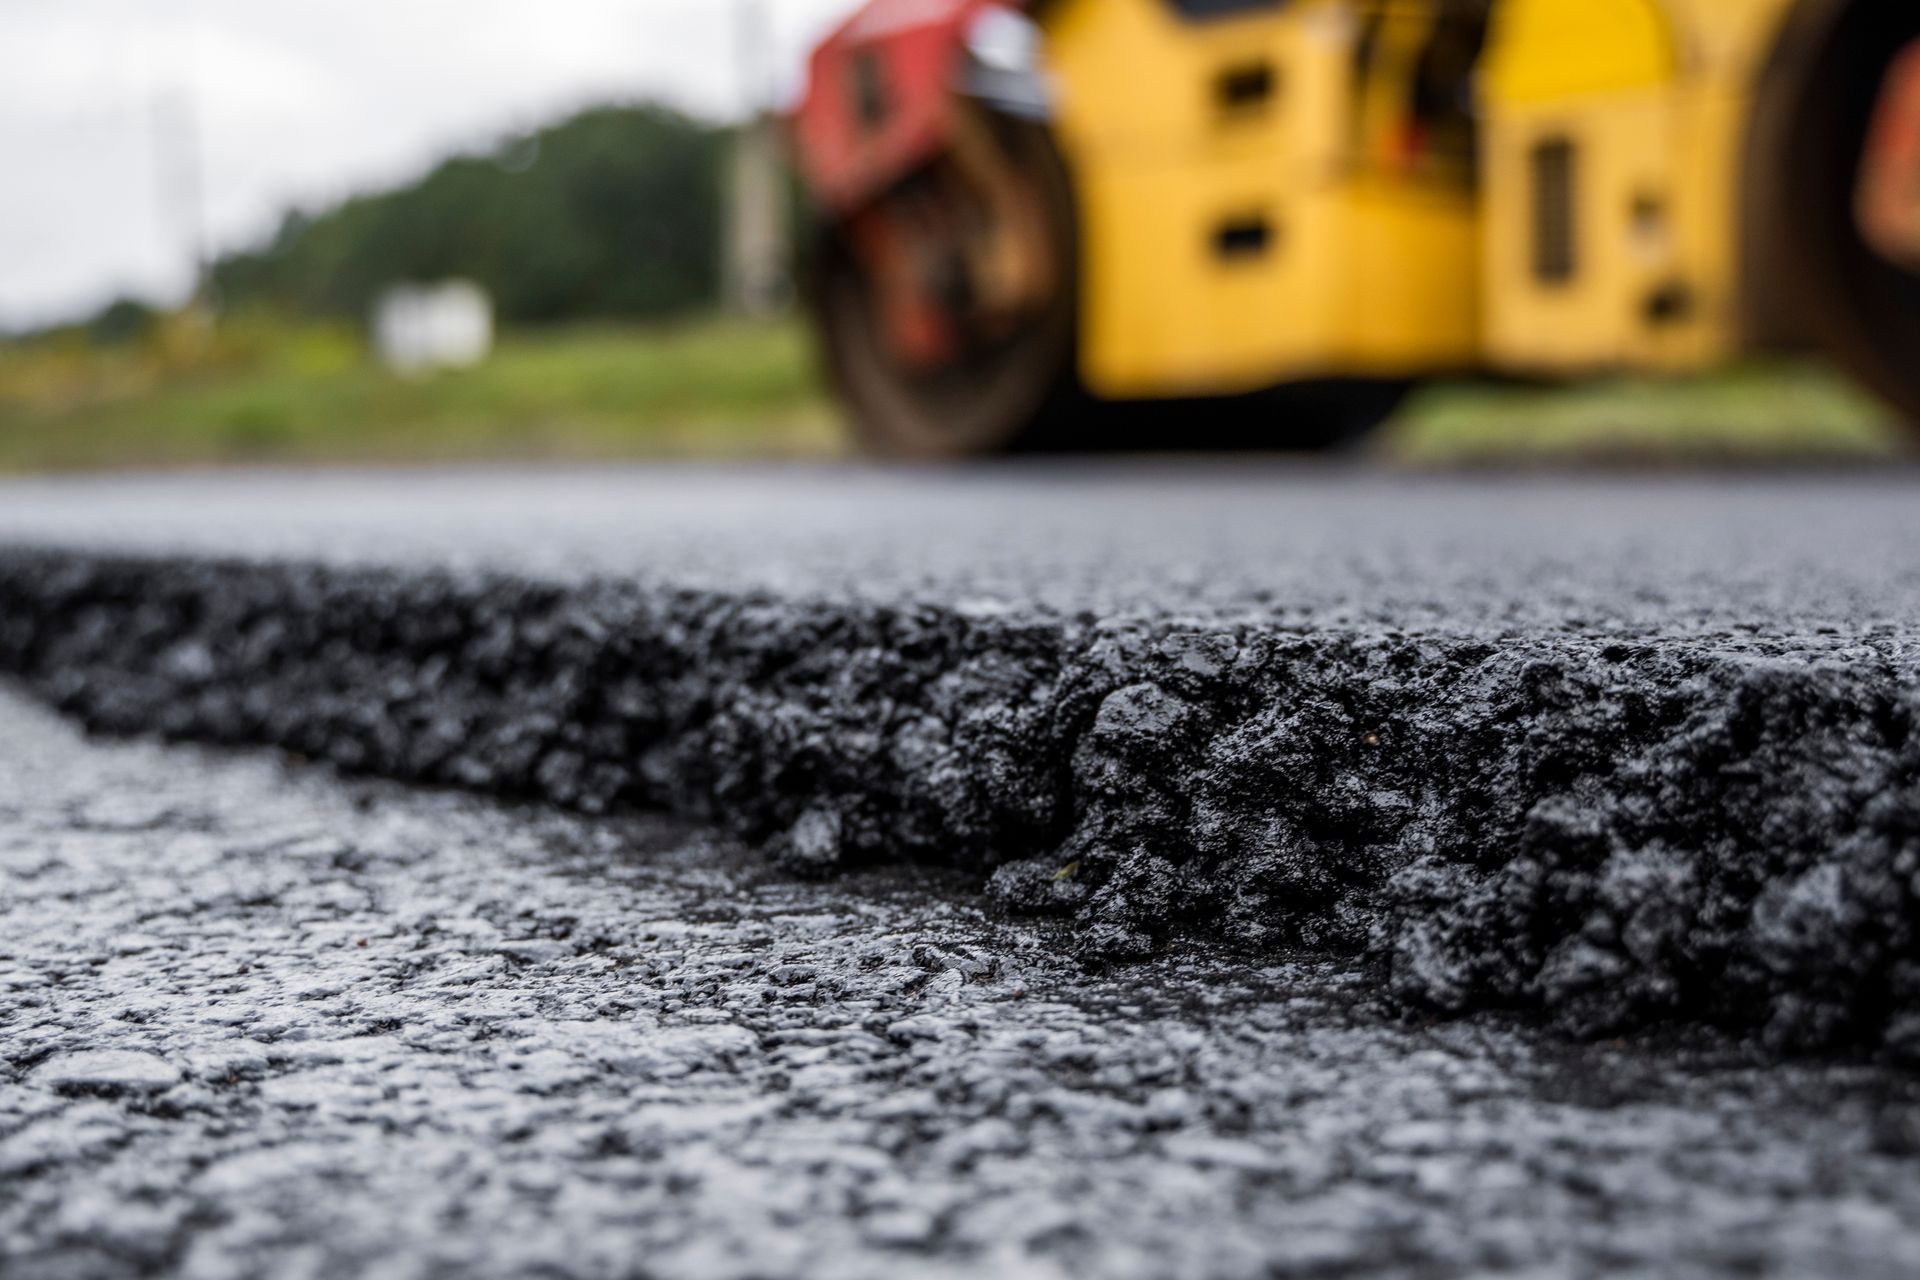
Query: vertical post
x,y
181,181
755,276
180,168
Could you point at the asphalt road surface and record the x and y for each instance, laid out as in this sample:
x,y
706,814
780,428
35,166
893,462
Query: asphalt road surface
x,y
263,1022
1084,872
1773,555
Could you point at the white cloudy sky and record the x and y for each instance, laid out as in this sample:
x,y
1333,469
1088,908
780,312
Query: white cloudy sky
x,y
300,101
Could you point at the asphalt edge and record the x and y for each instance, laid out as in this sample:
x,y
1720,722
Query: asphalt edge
x,y
1606,832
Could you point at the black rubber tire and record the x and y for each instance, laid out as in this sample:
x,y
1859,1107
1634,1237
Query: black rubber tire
x,y
1816,279
1025,396
1018,395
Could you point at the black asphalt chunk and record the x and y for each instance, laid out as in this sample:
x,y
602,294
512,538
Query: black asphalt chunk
x,y
255,1021
1615,753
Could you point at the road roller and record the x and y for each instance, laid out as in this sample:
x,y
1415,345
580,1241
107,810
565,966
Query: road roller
x,y
1081,224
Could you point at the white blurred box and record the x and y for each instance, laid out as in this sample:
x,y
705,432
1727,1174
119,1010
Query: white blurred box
x,y
418,328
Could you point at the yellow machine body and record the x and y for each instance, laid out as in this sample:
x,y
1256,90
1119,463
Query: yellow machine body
x,y
1251,212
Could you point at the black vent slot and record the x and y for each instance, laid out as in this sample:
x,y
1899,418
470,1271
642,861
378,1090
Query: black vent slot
x,y
1556,258
1245,90
1238,239
872,103
1224,8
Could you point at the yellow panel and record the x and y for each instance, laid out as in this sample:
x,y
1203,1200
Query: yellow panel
x,y
1653,100
1360,275
1137,81
1619,152
1409,286
1163,312
1549,49
1370,271
1360,279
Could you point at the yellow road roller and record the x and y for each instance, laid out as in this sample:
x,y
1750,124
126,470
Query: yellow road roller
x,y
1066,224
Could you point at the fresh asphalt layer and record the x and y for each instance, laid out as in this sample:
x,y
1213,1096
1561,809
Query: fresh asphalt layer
x,y
1762,554
262,1022
1210,870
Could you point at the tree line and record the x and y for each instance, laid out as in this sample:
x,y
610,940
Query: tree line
x,y
615,213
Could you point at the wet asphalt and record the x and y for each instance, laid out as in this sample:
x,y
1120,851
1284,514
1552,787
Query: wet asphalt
x,y
1769,557
261,1021
1073,871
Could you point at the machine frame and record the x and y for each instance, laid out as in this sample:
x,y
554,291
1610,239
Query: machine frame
x,y
1274,193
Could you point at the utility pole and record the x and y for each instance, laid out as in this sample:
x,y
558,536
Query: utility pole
x,y
181,181
179,163
756,277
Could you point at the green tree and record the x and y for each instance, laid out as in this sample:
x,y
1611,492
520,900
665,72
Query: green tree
x,y
613,213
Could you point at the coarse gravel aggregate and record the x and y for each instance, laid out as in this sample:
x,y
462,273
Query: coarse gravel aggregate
x,y
259,1019
1619,752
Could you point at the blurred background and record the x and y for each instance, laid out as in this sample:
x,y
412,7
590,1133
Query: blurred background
x,y
432,230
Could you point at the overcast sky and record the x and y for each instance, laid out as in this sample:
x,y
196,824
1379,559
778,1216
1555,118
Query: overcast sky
x,y
301,101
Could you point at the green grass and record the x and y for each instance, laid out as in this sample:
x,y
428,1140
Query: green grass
x,y
257,392
254,390
1790,410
